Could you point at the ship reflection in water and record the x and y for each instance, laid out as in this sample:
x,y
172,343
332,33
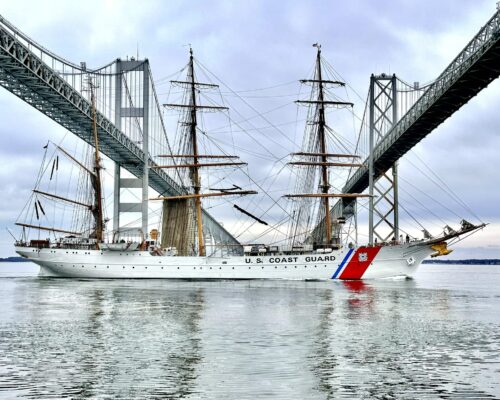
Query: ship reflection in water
x,y
421,338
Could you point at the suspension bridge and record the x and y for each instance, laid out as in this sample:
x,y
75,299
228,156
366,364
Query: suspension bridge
x,y
129,119
133,133
393,126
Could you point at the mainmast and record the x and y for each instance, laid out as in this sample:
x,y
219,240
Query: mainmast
x,y
193,162
195,171
322,158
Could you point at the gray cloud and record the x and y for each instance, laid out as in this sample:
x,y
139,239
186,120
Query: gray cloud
x,y
258,44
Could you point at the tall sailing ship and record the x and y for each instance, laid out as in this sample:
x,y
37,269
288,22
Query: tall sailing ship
x,y
179,251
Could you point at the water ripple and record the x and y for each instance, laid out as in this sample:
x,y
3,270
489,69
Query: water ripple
x,y
420,339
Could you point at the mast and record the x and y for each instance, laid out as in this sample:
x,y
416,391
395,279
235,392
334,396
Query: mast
x,y
322,153
96,178
322,141
195,168
194,163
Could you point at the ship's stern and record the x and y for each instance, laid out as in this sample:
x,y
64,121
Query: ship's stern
x,y
33,254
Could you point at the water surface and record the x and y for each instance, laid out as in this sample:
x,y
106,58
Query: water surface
x,y
436,336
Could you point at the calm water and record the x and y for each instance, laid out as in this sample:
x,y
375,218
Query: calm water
x,y
437,336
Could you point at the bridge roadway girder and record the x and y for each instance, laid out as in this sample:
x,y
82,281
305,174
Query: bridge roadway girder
x,y
24,74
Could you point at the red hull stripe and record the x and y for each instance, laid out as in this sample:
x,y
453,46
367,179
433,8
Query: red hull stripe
x,y
359,263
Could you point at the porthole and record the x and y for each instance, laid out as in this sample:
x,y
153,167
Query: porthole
x,y
249,267
177,267
220,267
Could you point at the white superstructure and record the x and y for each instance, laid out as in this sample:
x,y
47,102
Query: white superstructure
x,y
359,263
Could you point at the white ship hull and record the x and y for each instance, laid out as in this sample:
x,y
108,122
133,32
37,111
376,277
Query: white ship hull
x,y
360,263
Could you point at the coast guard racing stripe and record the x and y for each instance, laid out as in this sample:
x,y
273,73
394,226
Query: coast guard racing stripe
x,y
342,264
359,263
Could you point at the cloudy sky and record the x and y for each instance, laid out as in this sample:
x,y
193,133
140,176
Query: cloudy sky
x,y
259,44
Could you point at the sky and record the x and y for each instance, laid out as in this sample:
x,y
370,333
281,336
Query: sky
x,y
261,44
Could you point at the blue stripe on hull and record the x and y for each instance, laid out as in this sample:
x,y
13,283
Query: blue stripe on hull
x,y
337,272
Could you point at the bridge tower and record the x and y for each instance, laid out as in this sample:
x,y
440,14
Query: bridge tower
x,y
383,219
132,102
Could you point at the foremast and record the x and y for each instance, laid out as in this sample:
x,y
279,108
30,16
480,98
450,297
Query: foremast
x,y
322,140
321,159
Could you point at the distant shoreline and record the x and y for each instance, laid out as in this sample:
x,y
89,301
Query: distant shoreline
x,y
14,259
473,261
